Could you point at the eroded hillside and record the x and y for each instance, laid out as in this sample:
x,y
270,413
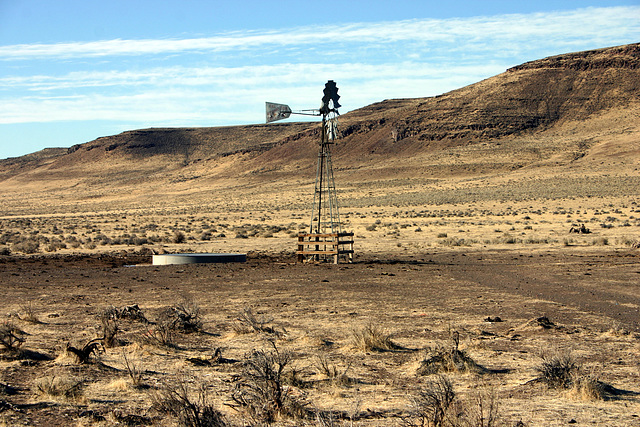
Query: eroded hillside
x,y
561,117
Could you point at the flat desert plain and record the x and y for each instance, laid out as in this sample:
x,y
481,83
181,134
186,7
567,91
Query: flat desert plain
x,y
505,286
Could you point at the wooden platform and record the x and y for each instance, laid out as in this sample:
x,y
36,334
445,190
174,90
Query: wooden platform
x,y
331,246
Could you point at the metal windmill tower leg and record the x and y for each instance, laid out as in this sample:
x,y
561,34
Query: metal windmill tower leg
x,y
325,216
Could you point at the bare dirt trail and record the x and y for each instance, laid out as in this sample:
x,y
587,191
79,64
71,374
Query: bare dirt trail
x,y
603,283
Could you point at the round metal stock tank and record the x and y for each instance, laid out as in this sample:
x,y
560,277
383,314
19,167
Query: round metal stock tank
x,y
168,259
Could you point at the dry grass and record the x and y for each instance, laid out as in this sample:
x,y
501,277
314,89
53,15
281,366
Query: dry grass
x,y
55,387
372,337
448,358
189,408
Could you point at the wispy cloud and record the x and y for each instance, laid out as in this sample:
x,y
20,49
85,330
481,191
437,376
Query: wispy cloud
x,y
225,79
212,93
555,27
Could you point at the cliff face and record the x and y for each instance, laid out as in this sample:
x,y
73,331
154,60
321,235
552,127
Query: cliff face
x,y
531,96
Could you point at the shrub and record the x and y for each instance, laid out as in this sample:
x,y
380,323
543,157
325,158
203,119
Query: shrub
x,y
259,392
247,323
431,405
65,387
372,337
27,313
91,349
557,369
27,247
600,241
160,336
127,312
448,359
109,321
178,237
561,371
335,375
184,317
134,370
11,337
437,405
191,409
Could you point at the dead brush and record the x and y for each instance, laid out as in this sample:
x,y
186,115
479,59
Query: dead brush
x,y
110,321
448,359
11,337
559,370
335,375
372,337
134,369
190,409
247,323
129,312
161,335
431,406
52,386
260,392
28,314
110,328
184,317
437,405
91,349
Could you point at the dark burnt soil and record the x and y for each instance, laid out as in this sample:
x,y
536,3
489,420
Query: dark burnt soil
x,y
603,283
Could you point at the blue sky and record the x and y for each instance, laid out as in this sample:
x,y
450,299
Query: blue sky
x,y
72,71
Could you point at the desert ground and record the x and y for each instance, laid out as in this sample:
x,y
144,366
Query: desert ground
x,y
423,280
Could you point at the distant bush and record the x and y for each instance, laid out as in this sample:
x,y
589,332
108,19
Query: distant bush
x,y
600,241
178,237
27,247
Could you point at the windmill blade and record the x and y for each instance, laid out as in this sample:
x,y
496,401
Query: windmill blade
x,y
277,111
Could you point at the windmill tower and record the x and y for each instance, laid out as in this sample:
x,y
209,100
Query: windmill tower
x,y
325,240
325,216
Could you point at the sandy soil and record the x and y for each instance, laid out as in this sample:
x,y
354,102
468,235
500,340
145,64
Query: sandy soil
x,y
591,297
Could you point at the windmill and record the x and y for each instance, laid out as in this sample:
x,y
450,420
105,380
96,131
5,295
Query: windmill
x,y
326,239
